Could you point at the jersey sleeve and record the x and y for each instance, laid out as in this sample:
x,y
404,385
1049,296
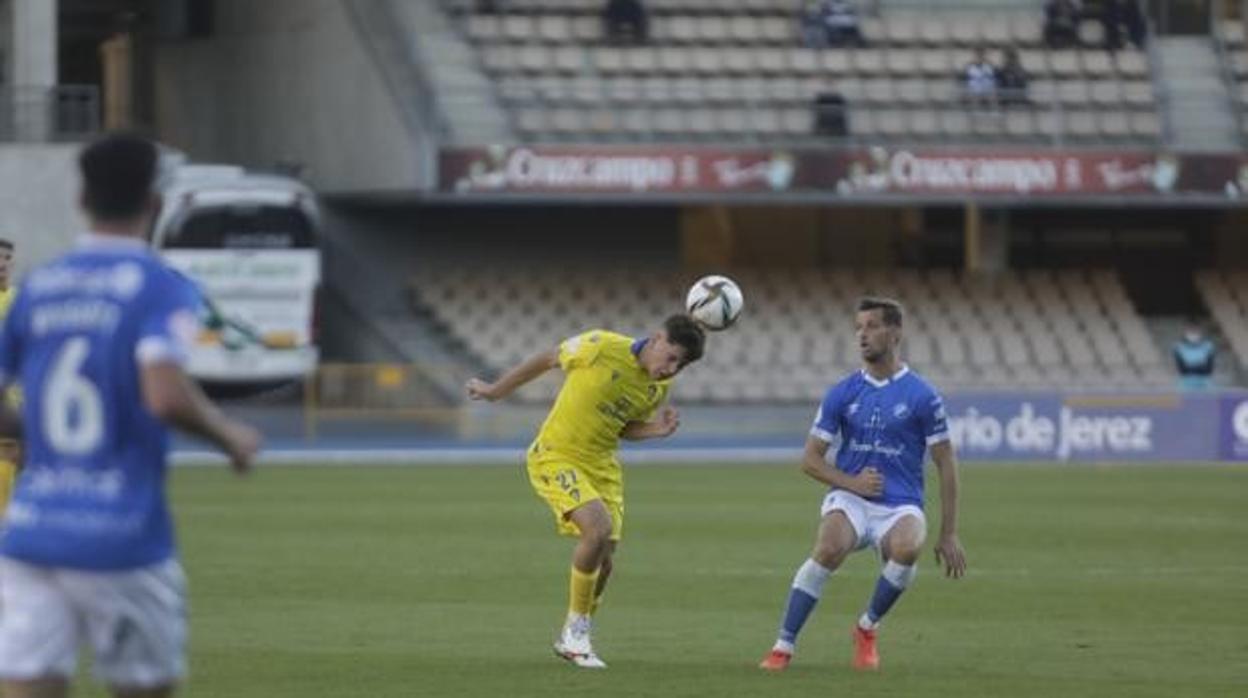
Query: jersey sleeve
x,y
170,321
932,418
827,426
580,351
11,341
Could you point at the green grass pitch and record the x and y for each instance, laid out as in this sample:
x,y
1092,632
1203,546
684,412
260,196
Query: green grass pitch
x,y
449,581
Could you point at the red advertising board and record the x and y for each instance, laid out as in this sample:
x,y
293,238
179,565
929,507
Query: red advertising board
x,y
852,172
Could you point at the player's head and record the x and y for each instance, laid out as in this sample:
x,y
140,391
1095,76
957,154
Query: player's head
x,y
6,262
877,325
677,344
118,178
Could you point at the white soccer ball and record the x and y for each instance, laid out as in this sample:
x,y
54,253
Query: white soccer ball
x,y
715,302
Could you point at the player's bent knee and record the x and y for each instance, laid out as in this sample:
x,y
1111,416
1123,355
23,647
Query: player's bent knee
x,y
831,556
905,555
599,536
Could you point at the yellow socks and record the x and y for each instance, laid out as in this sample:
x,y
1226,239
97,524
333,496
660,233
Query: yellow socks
x,y
581,596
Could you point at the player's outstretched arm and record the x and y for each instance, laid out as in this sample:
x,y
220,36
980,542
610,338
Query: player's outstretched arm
x,y
949,551
665,423
175,399
526,371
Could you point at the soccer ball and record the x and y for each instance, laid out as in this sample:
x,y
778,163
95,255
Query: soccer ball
x,y
715,302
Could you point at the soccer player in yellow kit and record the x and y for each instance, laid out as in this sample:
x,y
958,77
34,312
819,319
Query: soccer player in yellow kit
x,y
615,389
10,450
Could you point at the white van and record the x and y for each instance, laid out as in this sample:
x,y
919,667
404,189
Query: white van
x,y
251,243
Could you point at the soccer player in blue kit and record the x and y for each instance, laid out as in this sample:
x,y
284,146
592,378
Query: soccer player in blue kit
x,y
881,419
97,339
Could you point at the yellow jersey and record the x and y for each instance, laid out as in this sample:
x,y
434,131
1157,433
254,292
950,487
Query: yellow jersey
x,y
13,395
605,389
6,301
9,450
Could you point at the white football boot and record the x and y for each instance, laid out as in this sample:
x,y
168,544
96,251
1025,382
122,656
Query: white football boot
x,y
574,645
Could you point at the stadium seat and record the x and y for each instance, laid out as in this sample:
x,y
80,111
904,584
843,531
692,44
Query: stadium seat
x,y
1146,125
964,30
910,65
1132,64
836,62
1115,125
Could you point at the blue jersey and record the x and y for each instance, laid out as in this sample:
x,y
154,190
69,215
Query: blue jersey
x,y
92,492
885,424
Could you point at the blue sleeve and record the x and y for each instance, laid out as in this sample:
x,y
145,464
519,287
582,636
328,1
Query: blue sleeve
x,y
11,341
932,418
827,426
170,319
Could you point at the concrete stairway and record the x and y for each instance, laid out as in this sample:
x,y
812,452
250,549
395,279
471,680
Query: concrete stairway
x,y
465,95
1198,107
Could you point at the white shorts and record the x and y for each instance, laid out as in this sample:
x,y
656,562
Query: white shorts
x,y
134,620
871,521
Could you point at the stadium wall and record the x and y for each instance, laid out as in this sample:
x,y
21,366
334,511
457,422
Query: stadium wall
x,y
38,200
284,81
1010,426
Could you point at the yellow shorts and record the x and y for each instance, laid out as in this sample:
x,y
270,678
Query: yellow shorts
x,y
566,484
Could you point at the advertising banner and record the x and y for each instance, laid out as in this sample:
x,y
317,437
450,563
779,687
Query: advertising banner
x,y
874,171
1233,436
1072,427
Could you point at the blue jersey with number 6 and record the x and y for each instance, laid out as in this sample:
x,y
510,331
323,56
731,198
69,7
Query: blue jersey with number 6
x,y
92,492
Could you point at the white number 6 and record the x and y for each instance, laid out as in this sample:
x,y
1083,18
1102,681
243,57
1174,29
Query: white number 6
x,y
73,414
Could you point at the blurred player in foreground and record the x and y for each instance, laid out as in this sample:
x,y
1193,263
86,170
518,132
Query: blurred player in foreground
x,y
884,417
97,339
615,389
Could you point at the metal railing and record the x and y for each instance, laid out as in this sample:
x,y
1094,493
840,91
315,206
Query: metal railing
x,y
376,393
36,114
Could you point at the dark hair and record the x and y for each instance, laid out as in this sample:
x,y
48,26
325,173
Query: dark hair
x,y
685,331
6,243
118,171
892,310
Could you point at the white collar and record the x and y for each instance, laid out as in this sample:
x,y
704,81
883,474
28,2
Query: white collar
x,y
102,241
881,383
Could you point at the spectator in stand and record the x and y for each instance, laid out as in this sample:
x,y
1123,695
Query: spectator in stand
x,y
1012,80
1117,15
814,35
979,81
1137,26
1061,23
1112,16
1193,357
831,115
831,23
626,21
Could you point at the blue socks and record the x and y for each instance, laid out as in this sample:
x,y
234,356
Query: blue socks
x,y
893,580
807,588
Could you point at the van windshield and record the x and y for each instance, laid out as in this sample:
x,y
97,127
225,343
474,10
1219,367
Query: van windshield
x,y
242,228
